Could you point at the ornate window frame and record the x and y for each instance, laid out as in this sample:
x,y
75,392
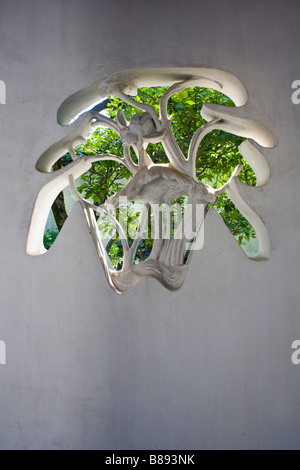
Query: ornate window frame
x,y
164,263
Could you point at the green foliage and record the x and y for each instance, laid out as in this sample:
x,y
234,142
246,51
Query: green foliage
x,y
105,178
116,255
49,238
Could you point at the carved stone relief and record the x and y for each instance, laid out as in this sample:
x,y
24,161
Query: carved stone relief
x,y
152,184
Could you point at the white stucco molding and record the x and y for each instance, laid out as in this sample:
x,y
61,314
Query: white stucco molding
x,y
152,184
129,81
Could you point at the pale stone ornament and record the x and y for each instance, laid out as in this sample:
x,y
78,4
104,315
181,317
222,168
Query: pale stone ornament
x,y
152,184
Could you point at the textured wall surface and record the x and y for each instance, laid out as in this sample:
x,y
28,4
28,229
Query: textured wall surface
x,y
208,367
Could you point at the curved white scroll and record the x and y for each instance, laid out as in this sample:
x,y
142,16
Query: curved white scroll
x,y
73,139
128,81
44,202
48,194
264,246
65,145
218,119
257,162
239,126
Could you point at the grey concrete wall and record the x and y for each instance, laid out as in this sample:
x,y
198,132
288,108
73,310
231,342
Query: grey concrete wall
x,y
208,367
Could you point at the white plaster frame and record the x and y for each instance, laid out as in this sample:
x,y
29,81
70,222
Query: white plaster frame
x,y
124,85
